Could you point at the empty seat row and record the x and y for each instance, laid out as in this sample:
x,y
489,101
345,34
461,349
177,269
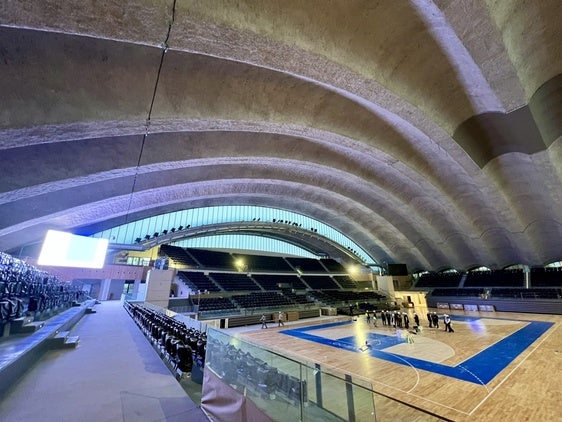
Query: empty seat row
x,y
27,290
469,292
262,300
439,280
181,346
215,260
495,278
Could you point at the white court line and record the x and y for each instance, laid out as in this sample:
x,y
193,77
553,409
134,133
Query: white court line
x,y
416,396
479,380
372,382
525,323
414,368
514,369
419,398
341,370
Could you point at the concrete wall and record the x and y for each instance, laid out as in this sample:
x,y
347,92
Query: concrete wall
x,y
158,285
115,289
385,284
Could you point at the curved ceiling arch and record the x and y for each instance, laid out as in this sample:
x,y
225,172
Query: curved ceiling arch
x,y
393,203
396,209
432,137
300,198
313,145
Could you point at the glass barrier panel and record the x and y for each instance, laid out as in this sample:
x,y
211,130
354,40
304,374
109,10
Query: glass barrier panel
x,y
270,381
284,389
363,404
390,410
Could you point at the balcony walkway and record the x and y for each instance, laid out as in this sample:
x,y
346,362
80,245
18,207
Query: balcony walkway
x,y
113,374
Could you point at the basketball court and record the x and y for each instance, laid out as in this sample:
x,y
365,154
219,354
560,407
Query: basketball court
x,y
492,365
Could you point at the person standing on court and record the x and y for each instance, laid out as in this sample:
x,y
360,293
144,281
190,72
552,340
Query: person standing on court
x,y
263,321
435,318
416,319
447,322
280,318
398,319
406,321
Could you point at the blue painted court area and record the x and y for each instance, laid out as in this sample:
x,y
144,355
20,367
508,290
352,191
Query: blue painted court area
x,y
479,369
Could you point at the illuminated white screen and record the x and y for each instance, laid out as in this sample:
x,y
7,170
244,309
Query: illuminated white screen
x,y
69,250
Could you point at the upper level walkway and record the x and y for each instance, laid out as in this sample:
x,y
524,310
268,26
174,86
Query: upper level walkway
x,y
114,374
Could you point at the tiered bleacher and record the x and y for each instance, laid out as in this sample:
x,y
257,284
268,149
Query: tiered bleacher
x,y
234,282
495,278
546,277
180,256
306,265
27,291
262,300
301,299
179,345
264,263
213,259
198,281
333,266
279,281
238,282
439,280
345,281
533,293
500,292
214,304
472,292
339,298
319,282
324,298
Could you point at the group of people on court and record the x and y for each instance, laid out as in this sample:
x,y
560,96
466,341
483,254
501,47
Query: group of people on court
x,y
394,319
397,319
280,318
433,319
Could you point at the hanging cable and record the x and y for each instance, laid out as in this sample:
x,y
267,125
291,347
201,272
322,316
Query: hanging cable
x,y
164,47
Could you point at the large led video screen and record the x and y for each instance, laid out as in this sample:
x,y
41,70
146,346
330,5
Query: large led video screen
x,y
61,249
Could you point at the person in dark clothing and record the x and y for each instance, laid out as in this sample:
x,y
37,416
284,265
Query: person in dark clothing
x,y
406,321
435,319
430,319
416,319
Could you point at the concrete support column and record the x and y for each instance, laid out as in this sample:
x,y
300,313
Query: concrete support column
x,y
104,289
136,285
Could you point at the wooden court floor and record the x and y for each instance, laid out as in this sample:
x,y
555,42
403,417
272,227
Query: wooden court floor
x,y
494,367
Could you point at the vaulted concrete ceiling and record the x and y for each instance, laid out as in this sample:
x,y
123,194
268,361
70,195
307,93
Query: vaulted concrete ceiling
x,y
427,131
